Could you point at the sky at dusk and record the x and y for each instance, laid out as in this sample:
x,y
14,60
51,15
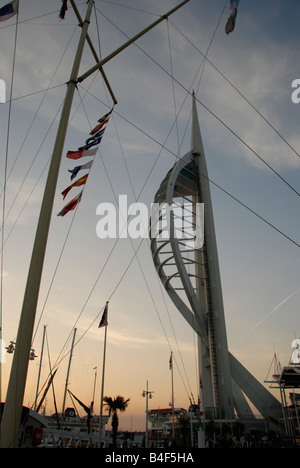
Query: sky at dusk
x,y
250,131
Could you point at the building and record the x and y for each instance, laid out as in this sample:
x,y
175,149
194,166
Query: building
x,y
168,426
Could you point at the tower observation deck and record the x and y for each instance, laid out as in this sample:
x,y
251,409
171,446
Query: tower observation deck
x,y
184,252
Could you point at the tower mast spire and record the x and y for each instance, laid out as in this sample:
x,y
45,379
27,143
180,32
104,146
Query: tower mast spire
x,y
209,291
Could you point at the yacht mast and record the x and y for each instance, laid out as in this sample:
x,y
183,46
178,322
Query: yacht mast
x,y
68,374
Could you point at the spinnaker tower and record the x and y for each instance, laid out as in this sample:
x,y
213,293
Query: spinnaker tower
x,y
184,252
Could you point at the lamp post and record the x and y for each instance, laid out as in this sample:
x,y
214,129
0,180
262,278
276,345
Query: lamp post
x,y
147,393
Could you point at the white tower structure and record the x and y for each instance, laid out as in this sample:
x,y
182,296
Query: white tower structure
x,y
185,256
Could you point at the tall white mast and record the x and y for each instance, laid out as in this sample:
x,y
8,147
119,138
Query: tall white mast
x,y
40,368
68,375
103,377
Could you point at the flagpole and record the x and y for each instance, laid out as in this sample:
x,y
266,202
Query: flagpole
x,y
102,386
16,388
68,374
40,368
95,54
172,381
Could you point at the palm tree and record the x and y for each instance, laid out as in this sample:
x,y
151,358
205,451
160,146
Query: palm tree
x,y
112,405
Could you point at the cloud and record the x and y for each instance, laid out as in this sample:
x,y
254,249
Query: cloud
x,y
264,82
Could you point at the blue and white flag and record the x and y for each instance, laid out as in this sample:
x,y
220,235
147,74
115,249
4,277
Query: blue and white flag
x,y
93,141
76,169
9,10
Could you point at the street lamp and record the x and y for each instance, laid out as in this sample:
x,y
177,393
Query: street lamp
x,y
147,393
11,348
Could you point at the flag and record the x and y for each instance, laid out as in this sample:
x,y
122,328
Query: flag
x,y
98,127
97,133
171,361
92,142
230,25
80,153
86,408
104,120
76,169
95,137
9,10
63,9
105,117
77,183
71,205
104,322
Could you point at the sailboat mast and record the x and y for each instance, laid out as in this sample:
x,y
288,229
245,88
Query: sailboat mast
x,y
68,374
172,402
102,385
40,368
16,387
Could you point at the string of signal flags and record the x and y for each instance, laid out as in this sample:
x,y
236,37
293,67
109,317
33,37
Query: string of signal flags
x,y
89,149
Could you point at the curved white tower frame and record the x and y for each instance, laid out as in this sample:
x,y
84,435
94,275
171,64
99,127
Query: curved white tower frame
x,y
186,260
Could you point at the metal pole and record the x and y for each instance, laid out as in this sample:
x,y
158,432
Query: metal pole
x,y
146,438
191,429
146,394
95,379
94,54
173,416
40,368
17,382
68,374
100,64
102,388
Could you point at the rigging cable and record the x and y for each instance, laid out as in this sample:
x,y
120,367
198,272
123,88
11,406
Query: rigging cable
x,y
45,91
41,103
210,111
227,127
236,200
162,145
219,187
238,91
4,197
37,180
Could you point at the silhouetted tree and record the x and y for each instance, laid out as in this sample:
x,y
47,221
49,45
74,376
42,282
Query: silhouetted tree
x,y
113,405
